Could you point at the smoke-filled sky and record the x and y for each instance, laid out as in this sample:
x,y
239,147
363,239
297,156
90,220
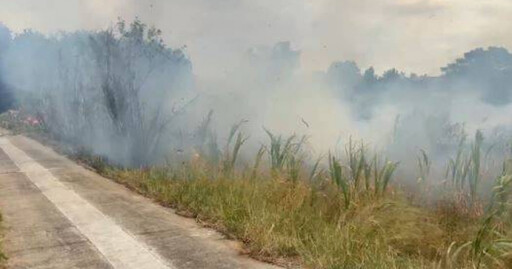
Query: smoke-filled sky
x,y
412,35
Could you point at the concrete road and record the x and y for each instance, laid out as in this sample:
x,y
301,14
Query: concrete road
x,y
60,215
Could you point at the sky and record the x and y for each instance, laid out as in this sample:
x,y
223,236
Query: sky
x,y
416,36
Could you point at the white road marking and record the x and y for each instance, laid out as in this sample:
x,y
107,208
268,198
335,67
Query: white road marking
x,y
120,248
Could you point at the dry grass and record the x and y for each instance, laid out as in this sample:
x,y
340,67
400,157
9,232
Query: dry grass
x,y
294,223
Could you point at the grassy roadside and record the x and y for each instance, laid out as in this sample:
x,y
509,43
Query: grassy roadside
x,y
291,224
349,215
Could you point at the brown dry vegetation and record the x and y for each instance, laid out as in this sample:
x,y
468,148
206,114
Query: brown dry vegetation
x,y
279,220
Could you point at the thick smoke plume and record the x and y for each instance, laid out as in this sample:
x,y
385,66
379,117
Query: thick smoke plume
x,y
113,92
122,93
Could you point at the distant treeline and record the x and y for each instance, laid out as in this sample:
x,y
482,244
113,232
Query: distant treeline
x,y
485,72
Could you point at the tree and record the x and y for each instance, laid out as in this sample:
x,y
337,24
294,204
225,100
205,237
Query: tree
x,y
130,62
344,76
488,71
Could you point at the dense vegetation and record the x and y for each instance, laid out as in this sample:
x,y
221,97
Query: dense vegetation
x,y
346,210
109,98
350,213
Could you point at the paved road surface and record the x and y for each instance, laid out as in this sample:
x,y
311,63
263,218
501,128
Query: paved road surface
x,y
60,215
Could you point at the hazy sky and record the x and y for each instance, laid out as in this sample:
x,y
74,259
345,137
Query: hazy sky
x,y
412,35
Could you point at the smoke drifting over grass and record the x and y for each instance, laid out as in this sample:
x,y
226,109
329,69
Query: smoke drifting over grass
x,y
122,93
113,92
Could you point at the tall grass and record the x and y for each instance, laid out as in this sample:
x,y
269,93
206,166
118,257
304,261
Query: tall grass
x,y
465,168
285,154
458,167
343,211
257,161
286,222
492,244
375,176
424,165
345,218
206,140
490,240
338,177
230,155
474,167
